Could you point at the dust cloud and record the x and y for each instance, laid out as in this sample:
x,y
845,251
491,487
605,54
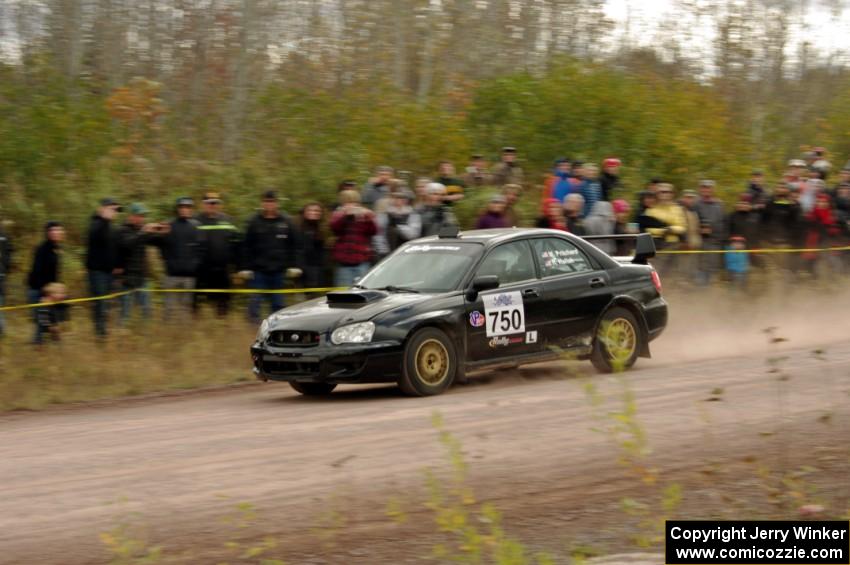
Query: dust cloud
x,y
717,322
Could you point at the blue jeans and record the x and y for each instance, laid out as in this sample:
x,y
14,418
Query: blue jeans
x,y
100,283
140,298
346,275
265,281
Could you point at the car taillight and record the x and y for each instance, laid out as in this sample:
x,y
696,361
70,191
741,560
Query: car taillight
x,y
656,280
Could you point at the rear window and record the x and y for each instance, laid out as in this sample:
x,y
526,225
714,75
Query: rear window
x,y
559,257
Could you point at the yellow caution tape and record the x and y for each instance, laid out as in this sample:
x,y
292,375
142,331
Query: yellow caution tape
x,y
330,289
172,290
68,301
779,250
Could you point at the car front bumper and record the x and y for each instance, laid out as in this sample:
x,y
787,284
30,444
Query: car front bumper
x,y
349,363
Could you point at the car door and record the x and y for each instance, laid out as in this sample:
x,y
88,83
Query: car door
x,y
506,321
574,290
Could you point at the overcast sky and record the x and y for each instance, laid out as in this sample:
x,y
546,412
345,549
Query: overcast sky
x,y
826,31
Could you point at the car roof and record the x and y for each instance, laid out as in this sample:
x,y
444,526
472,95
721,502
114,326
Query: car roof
x,y
496,236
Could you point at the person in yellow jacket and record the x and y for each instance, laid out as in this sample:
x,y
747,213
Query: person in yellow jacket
x,y
670,225
668,212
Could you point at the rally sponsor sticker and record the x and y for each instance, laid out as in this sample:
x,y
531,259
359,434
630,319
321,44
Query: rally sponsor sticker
x,y
503,341
476,319
505,313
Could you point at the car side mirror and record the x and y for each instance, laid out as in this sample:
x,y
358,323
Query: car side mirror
x,y
480,284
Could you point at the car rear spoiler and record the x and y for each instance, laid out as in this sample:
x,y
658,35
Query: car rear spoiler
x,y
644,245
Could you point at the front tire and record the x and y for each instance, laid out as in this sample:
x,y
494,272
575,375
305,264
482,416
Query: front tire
x,y
430,363
617,342
313,389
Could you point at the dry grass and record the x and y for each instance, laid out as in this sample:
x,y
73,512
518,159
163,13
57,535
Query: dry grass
x,y
144,357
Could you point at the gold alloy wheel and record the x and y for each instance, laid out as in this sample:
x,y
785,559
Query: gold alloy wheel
x,y
432,362
620,339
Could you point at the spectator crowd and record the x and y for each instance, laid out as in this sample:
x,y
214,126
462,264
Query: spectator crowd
x,y
204,248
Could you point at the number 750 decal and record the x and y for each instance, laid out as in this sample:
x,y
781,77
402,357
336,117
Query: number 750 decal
x,y
505,313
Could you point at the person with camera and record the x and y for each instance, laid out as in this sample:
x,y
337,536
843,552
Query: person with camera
x,y
271,251
378,186
354,227
101,260
133,238
399,223
180,243
435,213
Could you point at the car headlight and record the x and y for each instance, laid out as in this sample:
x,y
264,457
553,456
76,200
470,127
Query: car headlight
x,y
264,330
353,333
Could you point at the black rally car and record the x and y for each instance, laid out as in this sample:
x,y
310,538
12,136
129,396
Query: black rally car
x,y
440,307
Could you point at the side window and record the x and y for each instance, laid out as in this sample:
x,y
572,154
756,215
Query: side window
x,y
559,257
510,262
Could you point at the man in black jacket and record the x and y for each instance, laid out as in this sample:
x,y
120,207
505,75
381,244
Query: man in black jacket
x,y
46,266
101,260
221,251
5,266
133,238
271,250
181,245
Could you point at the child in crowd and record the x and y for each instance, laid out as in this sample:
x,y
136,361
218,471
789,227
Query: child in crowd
x,y
50,315
738,264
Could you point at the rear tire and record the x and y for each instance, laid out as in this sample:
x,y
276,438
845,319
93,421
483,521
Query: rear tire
x,y
313,389
617,342
430,363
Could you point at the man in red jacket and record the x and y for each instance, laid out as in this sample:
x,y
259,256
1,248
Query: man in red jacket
x,y
354,227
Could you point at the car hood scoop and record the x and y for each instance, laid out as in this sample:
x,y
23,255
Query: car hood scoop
x,y
355,296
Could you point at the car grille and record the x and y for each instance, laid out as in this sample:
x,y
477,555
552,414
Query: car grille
x,y
293,338
290,367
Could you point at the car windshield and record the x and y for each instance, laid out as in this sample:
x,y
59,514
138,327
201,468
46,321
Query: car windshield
x,y
424,267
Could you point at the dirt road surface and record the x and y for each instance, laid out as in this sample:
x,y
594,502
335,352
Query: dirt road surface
x,y
315,468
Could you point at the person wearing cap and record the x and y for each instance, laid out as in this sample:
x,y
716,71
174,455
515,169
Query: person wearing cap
x,y
270,253
688,264
434,213
476,174
354,226
507,171
712,218
46,265
794,174
378,186
399,223
609,180
101,260
133,238
6,251
221,242
493,216
180,243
